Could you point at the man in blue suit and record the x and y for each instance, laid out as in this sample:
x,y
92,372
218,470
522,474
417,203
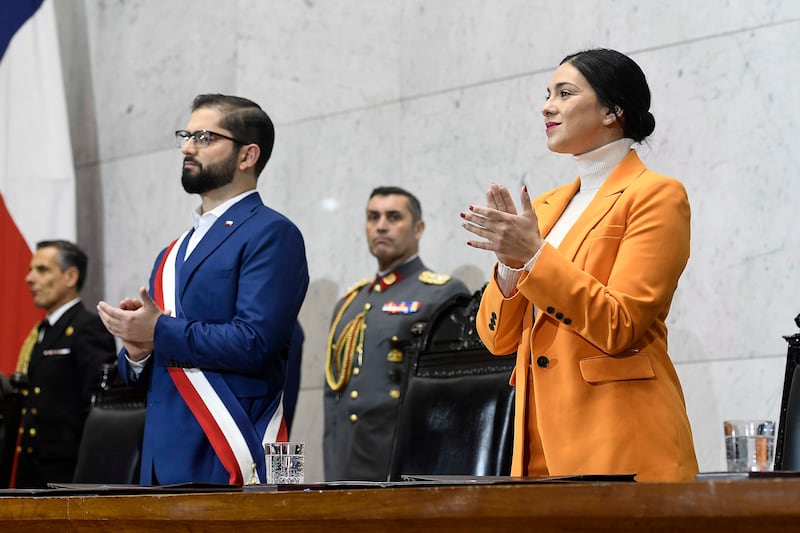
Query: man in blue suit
x,y
210,339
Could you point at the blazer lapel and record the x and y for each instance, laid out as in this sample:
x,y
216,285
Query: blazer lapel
x,y
550,209
230,221
628,170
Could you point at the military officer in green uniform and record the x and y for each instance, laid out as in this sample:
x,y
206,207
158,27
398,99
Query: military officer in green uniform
x,y
364,368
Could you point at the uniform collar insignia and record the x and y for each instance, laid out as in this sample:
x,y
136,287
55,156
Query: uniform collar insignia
x,y
381,283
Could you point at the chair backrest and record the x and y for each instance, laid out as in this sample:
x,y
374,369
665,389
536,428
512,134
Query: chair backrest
x,y
110,451
458,408
111,445
787,445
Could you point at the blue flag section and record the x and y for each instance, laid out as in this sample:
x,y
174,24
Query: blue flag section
x,y
13,14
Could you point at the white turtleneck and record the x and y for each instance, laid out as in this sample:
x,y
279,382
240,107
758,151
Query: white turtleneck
x,y
593,168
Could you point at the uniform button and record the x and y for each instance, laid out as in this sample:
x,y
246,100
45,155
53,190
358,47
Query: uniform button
x,y
32,432
37,390
353,418
542,361
494,315
354,394
21,430
34,411
559,315
568,321
394,393
25,410
29,450
24,392
356,371
19,449
551,310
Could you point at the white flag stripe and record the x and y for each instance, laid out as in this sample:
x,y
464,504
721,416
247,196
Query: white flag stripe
x,y
36,168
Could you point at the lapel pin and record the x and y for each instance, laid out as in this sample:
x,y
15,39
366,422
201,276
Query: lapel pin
x,y
229,223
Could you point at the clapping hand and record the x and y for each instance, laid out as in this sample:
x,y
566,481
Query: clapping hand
x,y
513,237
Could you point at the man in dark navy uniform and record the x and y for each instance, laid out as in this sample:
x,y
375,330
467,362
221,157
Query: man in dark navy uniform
x,y
58,366
365,373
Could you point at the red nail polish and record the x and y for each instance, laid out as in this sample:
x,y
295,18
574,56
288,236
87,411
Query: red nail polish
x,y
472,208
463,215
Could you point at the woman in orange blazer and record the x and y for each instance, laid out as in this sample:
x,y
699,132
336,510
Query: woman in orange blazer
x,y
583,284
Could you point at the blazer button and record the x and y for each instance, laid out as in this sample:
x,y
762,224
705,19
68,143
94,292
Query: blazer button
x,y
559,315
550,310
568,321
542,361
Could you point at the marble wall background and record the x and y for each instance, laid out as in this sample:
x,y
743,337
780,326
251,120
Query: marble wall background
x,y
442,97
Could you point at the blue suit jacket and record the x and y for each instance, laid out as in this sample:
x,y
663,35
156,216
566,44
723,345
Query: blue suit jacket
x,y
240,291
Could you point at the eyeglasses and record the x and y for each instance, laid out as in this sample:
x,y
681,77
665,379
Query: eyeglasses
x,y
200,138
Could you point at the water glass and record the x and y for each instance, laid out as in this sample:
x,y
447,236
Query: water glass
x,y
284,462
749,445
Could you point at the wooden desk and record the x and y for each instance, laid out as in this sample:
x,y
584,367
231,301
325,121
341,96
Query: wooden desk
x,y
720,505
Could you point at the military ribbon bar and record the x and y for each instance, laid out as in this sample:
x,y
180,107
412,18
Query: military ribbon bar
x,y
402,308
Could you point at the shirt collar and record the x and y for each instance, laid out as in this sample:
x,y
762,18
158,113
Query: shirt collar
x,y
53,317
217,212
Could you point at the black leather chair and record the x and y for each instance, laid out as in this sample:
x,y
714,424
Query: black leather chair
x,y
458,408
110,451
787,445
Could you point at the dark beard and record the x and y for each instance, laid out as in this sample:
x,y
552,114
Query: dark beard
x,y
204,179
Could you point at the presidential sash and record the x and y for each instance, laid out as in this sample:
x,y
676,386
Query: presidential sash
x,y
237,441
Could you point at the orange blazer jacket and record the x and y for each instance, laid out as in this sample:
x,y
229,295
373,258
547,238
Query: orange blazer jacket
x,y
596,392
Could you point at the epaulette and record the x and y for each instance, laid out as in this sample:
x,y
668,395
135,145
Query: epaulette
x,y
433,278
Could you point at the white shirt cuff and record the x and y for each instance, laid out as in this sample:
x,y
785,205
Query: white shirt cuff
x,y
135,368
507,277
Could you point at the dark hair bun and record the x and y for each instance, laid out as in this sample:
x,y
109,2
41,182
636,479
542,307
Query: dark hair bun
x,y
618,81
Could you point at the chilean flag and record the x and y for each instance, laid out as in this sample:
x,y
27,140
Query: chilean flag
x,y
37,177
